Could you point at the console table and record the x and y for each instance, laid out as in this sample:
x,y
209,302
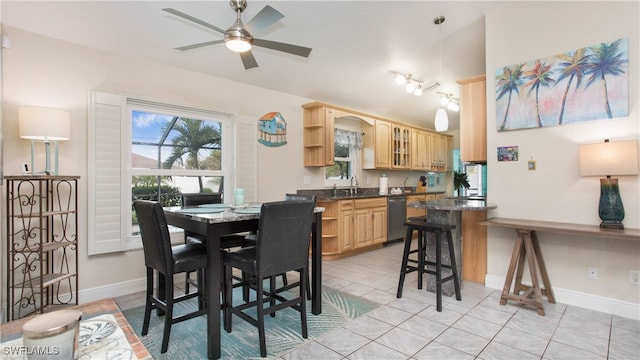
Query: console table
x,y
527,242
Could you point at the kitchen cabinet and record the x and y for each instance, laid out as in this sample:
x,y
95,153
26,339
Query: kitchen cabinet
x,y
376,146
400,146
420,150
351,224
330,227
42,243
386,144
473,119
416,212
318,141
370,216
439,152
347,224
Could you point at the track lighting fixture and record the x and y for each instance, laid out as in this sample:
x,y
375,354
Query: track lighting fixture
x,y
413,86
452,103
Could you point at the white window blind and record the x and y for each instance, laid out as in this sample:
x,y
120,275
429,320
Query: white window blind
x,y
106,218
246,161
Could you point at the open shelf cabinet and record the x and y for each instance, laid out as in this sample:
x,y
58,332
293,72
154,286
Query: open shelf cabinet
x,y
42,244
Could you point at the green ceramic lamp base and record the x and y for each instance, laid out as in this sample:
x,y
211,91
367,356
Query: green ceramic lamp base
x,y
610,208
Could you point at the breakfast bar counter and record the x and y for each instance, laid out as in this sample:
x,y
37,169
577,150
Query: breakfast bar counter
x,y
449,211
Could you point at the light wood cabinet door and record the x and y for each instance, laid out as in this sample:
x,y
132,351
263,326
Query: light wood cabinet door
x,y
379,224
363,233
473,119
438,152
382,145
318,141
420,150
346,223
400,147
415,212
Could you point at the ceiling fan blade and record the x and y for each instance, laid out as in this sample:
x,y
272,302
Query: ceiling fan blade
x,y
248,60
198,45
193,19
284,47
265,18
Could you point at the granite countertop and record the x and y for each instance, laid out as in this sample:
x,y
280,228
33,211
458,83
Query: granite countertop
x,y
453,204
368,196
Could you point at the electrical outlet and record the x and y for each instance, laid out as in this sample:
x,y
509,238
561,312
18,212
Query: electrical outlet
x,y
634,277
592,271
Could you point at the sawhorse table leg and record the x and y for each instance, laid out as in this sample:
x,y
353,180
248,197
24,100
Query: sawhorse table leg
x,y
527,244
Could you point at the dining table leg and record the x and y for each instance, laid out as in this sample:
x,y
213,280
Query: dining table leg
x,y
213,279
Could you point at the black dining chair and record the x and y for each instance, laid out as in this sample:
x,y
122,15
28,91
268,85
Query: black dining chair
x,y
167,260
250,239
282,246
226,241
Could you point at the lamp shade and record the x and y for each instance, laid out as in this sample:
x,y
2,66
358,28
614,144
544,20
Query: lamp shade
x,y
44,124
442,120
609,158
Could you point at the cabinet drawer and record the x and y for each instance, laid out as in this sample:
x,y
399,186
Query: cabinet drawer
x,y
370,203
346,205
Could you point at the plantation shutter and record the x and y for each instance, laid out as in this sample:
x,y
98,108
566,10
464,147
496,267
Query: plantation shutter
x,y
246,152
106,215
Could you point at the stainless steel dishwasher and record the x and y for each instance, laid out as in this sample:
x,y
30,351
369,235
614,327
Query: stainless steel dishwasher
x,y
396,216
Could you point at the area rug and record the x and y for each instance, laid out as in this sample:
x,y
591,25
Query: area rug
x,y
283,332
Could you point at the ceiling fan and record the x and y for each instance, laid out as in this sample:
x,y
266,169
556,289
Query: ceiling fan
x,y
238,37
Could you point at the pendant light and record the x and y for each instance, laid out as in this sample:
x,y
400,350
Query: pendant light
x,y
442,119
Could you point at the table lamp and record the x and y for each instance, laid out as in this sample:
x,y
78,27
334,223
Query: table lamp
x,y
607,159
45,125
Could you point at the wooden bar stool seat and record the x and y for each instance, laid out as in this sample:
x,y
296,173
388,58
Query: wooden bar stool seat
x,y
420,263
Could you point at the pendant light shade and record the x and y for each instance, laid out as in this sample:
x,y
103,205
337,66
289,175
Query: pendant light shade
x,y
442,120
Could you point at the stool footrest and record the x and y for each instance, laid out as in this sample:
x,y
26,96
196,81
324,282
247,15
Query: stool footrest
x,y
429,227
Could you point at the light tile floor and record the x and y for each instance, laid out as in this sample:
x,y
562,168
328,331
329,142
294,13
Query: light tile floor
x,y
477,327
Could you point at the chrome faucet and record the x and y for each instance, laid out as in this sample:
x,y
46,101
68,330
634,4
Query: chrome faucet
x,y
353,190
404,187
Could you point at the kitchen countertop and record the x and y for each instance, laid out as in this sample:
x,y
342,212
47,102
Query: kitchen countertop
x,y
369,196
453,204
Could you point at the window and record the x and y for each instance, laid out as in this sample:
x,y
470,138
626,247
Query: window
x,y
175,152
347,145
151,159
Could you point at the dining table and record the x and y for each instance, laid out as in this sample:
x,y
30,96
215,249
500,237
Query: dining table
x,y
214,221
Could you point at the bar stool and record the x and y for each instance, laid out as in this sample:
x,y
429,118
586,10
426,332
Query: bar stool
x,y
420,264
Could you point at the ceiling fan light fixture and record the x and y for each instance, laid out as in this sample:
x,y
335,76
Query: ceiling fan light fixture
x,y
238,45
237,39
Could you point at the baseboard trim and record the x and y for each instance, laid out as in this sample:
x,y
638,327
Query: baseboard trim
x,y
112,290
580,299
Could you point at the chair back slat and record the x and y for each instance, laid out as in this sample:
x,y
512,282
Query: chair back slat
x,y
283,236
156,240
193,199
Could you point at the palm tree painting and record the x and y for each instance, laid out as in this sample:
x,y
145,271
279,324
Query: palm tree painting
x,y
590,83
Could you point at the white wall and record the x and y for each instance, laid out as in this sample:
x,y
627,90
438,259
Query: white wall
x,y
522,31
45,72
